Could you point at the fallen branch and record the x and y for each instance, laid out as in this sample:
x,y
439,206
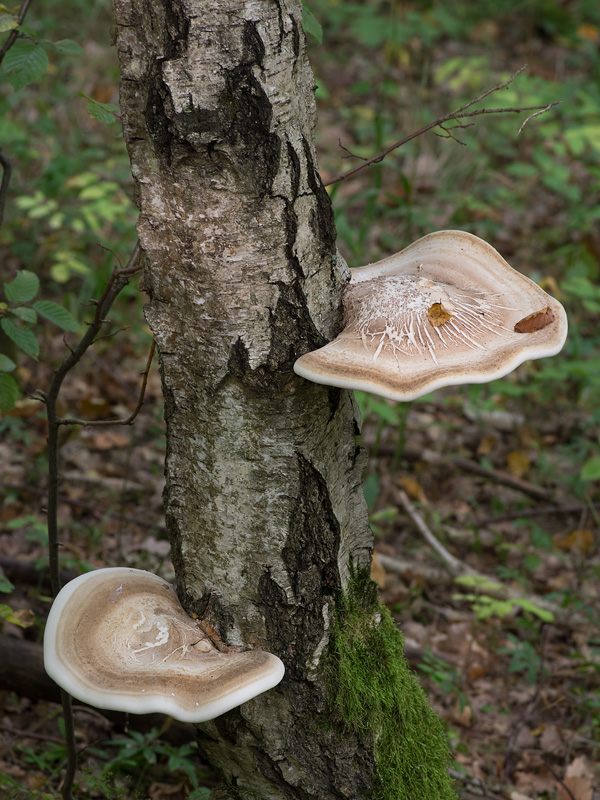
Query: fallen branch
x,y
457,114
466,464
453,565
493,588
568,508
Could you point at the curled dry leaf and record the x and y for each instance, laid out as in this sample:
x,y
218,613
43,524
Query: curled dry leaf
x,y
438,315
536,321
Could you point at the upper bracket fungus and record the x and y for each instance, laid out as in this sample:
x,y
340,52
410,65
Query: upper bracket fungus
x,y
119,639
446,310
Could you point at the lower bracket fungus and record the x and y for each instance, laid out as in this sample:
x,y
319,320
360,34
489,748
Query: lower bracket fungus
x,y
446,310
119,639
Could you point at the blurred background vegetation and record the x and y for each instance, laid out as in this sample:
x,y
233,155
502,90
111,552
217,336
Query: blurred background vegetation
x,y
383,69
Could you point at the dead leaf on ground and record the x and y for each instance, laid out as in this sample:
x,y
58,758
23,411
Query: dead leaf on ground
x,y
377,571
578,789
580,542
413,488
108,440
518,463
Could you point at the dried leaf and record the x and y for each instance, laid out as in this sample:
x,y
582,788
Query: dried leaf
x,y
486,445
578,789
518,463
536,321
438,315
413,489
377,571
580,542
580,767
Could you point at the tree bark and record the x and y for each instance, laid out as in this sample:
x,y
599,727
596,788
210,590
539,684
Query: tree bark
x,y
264,503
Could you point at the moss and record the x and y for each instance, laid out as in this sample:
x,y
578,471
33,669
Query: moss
x,y
373,692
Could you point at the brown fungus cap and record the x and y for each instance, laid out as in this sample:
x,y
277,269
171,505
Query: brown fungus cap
x,y
119,639
446,310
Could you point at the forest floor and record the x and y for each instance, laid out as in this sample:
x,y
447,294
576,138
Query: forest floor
x,y
503,476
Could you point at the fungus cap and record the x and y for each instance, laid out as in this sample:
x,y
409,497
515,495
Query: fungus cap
x,y
446,310
119,639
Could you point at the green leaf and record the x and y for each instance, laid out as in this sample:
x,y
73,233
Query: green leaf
x,y
529,605
22,337
101,112
25,62
5,585
56,314
25,313
480,582
9,392
66,46
7,22
591,469
6,363
24,287
311,24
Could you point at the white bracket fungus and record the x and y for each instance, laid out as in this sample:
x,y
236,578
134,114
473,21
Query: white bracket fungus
x,y
119,639
446,310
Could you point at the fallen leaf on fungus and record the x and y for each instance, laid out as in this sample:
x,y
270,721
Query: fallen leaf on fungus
x,y
536,321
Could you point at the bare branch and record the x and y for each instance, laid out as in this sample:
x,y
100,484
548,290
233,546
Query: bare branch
x,y
6,172
537,114
457,114
130,419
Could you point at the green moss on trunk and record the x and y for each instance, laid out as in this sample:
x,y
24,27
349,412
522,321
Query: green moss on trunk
x,y
373,692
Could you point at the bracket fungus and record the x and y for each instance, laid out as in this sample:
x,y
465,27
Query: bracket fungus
x,y
446,310
119,639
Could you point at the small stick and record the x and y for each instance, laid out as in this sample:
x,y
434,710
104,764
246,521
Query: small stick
x,y
454,566
30,735
570,508
88,423
459,113
209,631
562,616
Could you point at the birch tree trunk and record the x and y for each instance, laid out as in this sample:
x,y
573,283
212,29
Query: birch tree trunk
x,y
264,502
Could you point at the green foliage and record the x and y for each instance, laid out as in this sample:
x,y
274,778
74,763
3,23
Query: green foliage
x,y
485,606
374,694
523,658
27,60
311,24
101,112
16,315
445,676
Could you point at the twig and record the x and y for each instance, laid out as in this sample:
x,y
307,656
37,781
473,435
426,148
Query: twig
x,y
118,281
454,566
556,777
130,419
431,457
14,34
30,735
6,173
458,113
571,508
562,616
500,477
537,114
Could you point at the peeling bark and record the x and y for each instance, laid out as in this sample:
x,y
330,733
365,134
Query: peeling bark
x,y
264,503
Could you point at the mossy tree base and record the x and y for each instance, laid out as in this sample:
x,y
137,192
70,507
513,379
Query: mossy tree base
x,y
374,693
